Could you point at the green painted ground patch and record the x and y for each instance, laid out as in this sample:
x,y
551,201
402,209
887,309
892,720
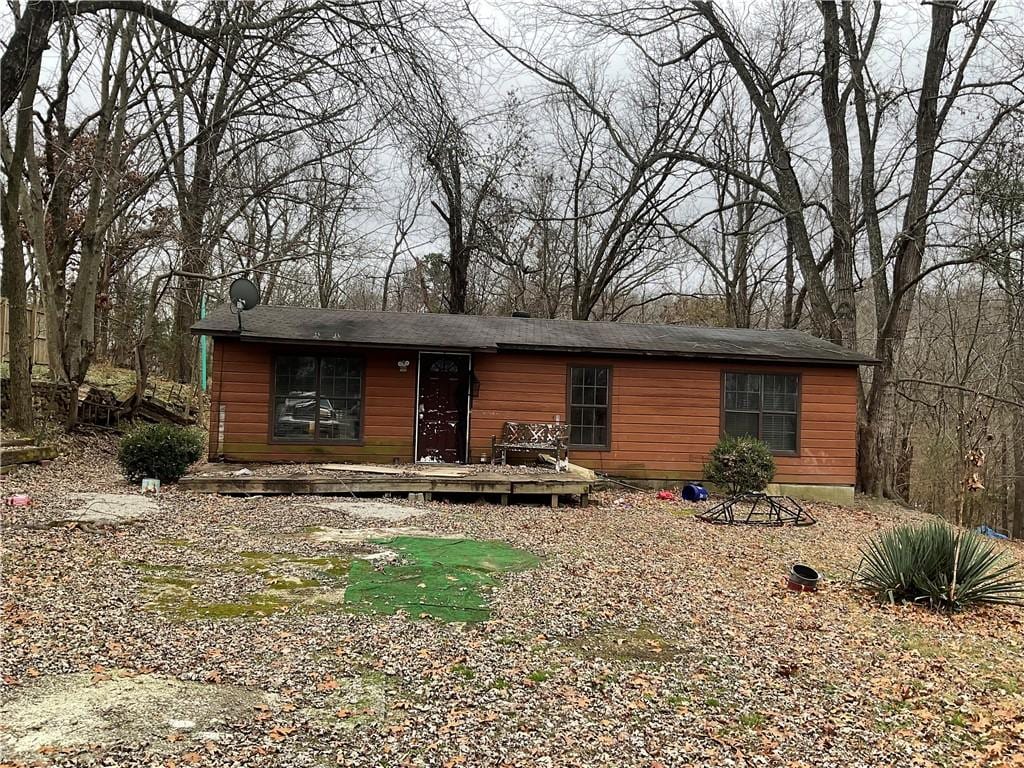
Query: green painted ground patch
x,y
447,579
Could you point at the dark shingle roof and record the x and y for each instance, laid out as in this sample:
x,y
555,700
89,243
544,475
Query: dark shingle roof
x,y
436,331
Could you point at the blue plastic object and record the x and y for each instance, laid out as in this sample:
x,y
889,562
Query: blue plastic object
x,y
984,530
694,492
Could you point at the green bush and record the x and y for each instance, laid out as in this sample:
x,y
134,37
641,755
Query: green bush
x,y
740,464
916,563
163,451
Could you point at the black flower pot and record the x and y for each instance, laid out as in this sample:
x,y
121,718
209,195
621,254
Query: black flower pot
x,y
803,578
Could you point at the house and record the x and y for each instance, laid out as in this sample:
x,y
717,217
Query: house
x,y
644,402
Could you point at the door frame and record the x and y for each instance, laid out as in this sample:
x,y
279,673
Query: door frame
x,y
416,402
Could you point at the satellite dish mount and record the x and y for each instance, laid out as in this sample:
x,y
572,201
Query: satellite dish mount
x,y
244,295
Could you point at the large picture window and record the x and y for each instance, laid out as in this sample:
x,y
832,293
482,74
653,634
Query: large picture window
x,y
589,402
318,399
762,405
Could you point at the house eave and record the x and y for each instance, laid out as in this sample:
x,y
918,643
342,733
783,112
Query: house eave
x,y
547,349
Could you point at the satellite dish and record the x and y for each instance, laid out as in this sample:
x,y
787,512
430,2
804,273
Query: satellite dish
x,y
244,294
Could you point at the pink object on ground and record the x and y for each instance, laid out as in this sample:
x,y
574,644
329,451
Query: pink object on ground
x,y
666,495
19,500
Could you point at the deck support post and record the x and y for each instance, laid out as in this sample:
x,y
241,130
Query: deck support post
x,y
504,499
554,501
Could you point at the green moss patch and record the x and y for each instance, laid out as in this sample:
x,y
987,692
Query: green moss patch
x,y
289,582
169,581
446,579
260,604
175,542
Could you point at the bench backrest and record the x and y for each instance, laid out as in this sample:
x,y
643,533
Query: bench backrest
x,y
534,433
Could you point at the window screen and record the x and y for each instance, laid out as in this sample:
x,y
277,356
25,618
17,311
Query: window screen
x,y
589,400
763,405
318,399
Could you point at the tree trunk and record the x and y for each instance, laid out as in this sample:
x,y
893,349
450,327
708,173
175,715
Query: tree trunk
x,y
872,455
19,416
184,316
24,51
788,317
458,279
104,183
834,110
12,279
1017,374
875,452
1017,528
194,260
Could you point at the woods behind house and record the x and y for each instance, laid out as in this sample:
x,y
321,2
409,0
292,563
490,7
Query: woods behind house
x,y
850,169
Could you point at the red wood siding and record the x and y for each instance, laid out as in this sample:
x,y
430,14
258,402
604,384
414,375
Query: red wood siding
x,y
665,414
242,375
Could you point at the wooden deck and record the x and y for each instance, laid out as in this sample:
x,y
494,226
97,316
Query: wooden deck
x,y
504,487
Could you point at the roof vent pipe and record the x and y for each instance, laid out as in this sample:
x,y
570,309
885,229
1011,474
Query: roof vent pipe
x,y
518,313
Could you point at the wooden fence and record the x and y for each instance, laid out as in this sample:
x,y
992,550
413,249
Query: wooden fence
x,y
36,332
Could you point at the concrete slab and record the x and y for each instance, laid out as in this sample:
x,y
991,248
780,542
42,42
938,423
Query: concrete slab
x,y
63,711
81,710
368,509
111,509
833,494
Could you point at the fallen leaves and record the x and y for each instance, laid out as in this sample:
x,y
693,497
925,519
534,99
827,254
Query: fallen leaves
x,y
646,639
329,684
281,732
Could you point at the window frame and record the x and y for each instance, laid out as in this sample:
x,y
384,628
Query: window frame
x,y
318,355
798,375
607,445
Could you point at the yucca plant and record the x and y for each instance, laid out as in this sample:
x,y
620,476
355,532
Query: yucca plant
x,y
947,568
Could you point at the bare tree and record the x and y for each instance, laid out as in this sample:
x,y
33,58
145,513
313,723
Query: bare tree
x,y
30,37
996,216
13,278
244,89
78,190
406,214
469,171
782,57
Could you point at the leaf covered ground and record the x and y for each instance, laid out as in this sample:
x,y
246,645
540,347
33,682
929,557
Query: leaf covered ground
x,y
643,638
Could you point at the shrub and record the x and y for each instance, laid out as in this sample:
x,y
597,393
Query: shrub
x,y
740,464
916,563
163,451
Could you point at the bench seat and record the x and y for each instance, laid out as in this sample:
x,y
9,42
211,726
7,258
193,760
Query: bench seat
x,y
523,436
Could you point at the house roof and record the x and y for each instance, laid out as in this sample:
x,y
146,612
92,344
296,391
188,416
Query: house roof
x,y
406,330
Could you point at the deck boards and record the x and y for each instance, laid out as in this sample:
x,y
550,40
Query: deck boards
x,y
477,484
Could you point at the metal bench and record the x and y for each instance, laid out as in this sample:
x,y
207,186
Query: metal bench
x,y
530,437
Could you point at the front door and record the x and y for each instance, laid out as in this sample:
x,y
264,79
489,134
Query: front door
x,y
442,408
